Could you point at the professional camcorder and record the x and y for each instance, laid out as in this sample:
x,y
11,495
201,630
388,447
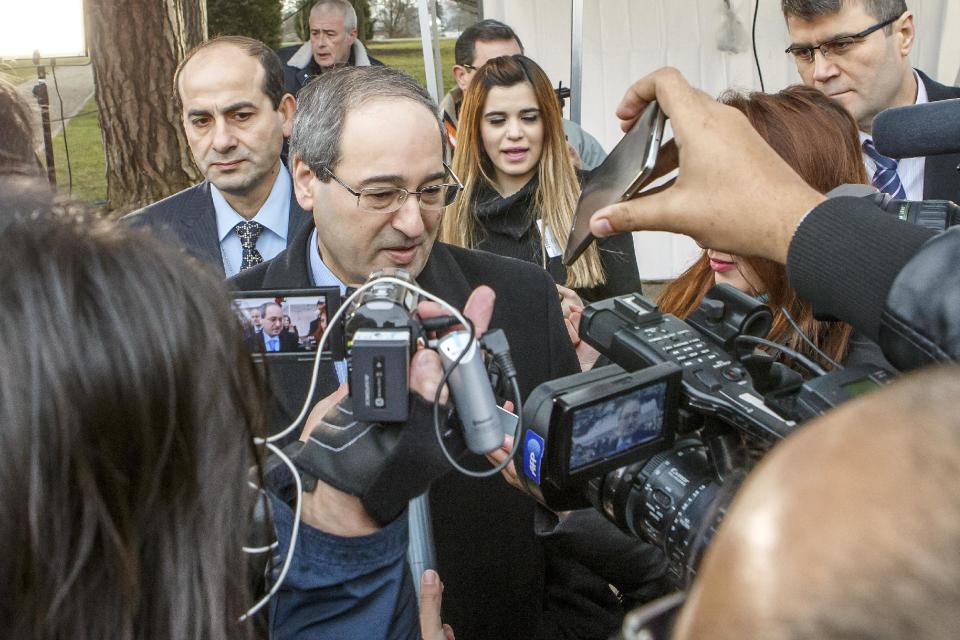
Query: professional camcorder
x,y
938,215
659,440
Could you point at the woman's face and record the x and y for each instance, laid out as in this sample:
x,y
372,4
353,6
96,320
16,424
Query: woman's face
x,y
512,133
729,269
286,322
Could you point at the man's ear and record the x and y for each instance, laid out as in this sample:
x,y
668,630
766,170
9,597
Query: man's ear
x,y
908,32
303,177
287,109
352,35
460,74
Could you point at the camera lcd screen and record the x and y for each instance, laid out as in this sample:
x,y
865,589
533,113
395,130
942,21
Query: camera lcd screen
x,y
287,322
612,427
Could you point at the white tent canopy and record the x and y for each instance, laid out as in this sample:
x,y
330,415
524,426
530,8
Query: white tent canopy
x,y
625,39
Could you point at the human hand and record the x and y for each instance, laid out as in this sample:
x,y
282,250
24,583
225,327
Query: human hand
x,y
568,299
426,369
586,354
733,192
327,508
497,456
431,598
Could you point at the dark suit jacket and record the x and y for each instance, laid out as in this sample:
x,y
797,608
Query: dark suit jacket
x,y
941,181
499,581
288,342
188,220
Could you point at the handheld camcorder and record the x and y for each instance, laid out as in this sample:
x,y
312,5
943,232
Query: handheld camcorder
x,y
659,441
383,331
937,215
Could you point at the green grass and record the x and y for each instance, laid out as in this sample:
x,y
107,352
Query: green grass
x,y
407,55
86,157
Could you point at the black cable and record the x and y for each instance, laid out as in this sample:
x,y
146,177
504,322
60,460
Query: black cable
x,y
796,327
812,366
63,128
756,58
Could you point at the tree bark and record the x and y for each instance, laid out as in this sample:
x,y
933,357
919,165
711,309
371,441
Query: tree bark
x,y
135,46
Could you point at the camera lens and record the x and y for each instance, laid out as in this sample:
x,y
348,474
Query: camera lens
x,y
671,501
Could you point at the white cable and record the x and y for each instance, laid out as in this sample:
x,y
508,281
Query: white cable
x,y
294,533
323,340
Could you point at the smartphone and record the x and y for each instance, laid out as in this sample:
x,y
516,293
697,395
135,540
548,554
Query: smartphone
x,y
619,177
290,321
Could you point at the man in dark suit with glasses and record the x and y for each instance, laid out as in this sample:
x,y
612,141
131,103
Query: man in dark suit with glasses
x,y
366,157
856,51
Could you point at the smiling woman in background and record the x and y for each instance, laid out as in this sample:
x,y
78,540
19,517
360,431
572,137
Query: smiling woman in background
x,y
520,186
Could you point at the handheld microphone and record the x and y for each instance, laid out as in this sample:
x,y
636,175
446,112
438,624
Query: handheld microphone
x,y
471,391
919,130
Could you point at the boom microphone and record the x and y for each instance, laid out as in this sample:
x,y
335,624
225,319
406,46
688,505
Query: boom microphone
x,y
918,130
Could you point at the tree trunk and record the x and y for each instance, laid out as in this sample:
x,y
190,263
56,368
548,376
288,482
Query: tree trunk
x,y
135,46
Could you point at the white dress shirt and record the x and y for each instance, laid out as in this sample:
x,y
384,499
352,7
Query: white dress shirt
x,y
321,276
910,170
274,215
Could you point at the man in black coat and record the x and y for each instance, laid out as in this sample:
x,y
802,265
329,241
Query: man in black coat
x,y
333,42
235,116
857,53
367,159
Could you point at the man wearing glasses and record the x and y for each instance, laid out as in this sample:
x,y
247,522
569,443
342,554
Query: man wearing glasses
x,y
856,51
366,156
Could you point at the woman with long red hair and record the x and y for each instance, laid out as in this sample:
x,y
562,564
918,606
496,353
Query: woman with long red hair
x,y
819,139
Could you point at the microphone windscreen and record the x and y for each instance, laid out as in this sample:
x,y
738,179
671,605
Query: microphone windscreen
x,y
928,129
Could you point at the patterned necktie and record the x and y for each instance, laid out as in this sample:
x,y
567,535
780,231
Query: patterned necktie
x,y
885,178
248,233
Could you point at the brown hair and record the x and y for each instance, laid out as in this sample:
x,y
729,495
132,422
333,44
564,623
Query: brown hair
x,y
819,139
558,188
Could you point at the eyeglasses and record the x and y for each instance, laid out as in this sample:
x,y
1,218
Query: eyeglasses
x,y
469,67
385,200
837,46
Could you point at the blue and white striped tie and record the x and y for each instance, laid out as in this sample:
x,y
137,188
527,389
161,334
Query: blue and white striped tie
x,y
885,178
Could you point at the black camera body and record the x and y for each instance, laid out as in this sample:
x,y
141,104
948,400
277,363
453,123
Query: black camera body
x,y
938,215
724,406
382,332
570,439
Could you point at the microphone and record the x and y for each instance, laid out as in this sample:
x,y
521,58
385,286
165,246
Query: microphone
x,y
918,130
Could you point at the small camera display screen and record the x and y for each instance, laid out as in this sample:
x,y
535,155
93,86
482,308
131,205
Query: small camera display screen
x,y
616,425
285,323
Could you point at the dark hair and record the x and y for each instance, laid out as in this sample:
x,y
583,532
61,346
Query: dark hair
x,y
879,10
269,61
126,434
818,138
486,30
16,133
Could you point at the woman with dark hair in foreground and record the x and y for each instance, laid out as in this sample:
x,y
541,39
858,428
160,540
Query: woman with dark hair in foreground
x,y
127,426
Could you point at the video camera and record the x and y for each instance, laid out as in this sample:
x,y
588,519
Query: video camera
x,y
383,331
659,441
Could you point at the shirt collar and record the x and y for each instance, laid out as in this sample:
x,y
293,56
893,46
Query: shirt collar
x,y
274,214
320,274
922,98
